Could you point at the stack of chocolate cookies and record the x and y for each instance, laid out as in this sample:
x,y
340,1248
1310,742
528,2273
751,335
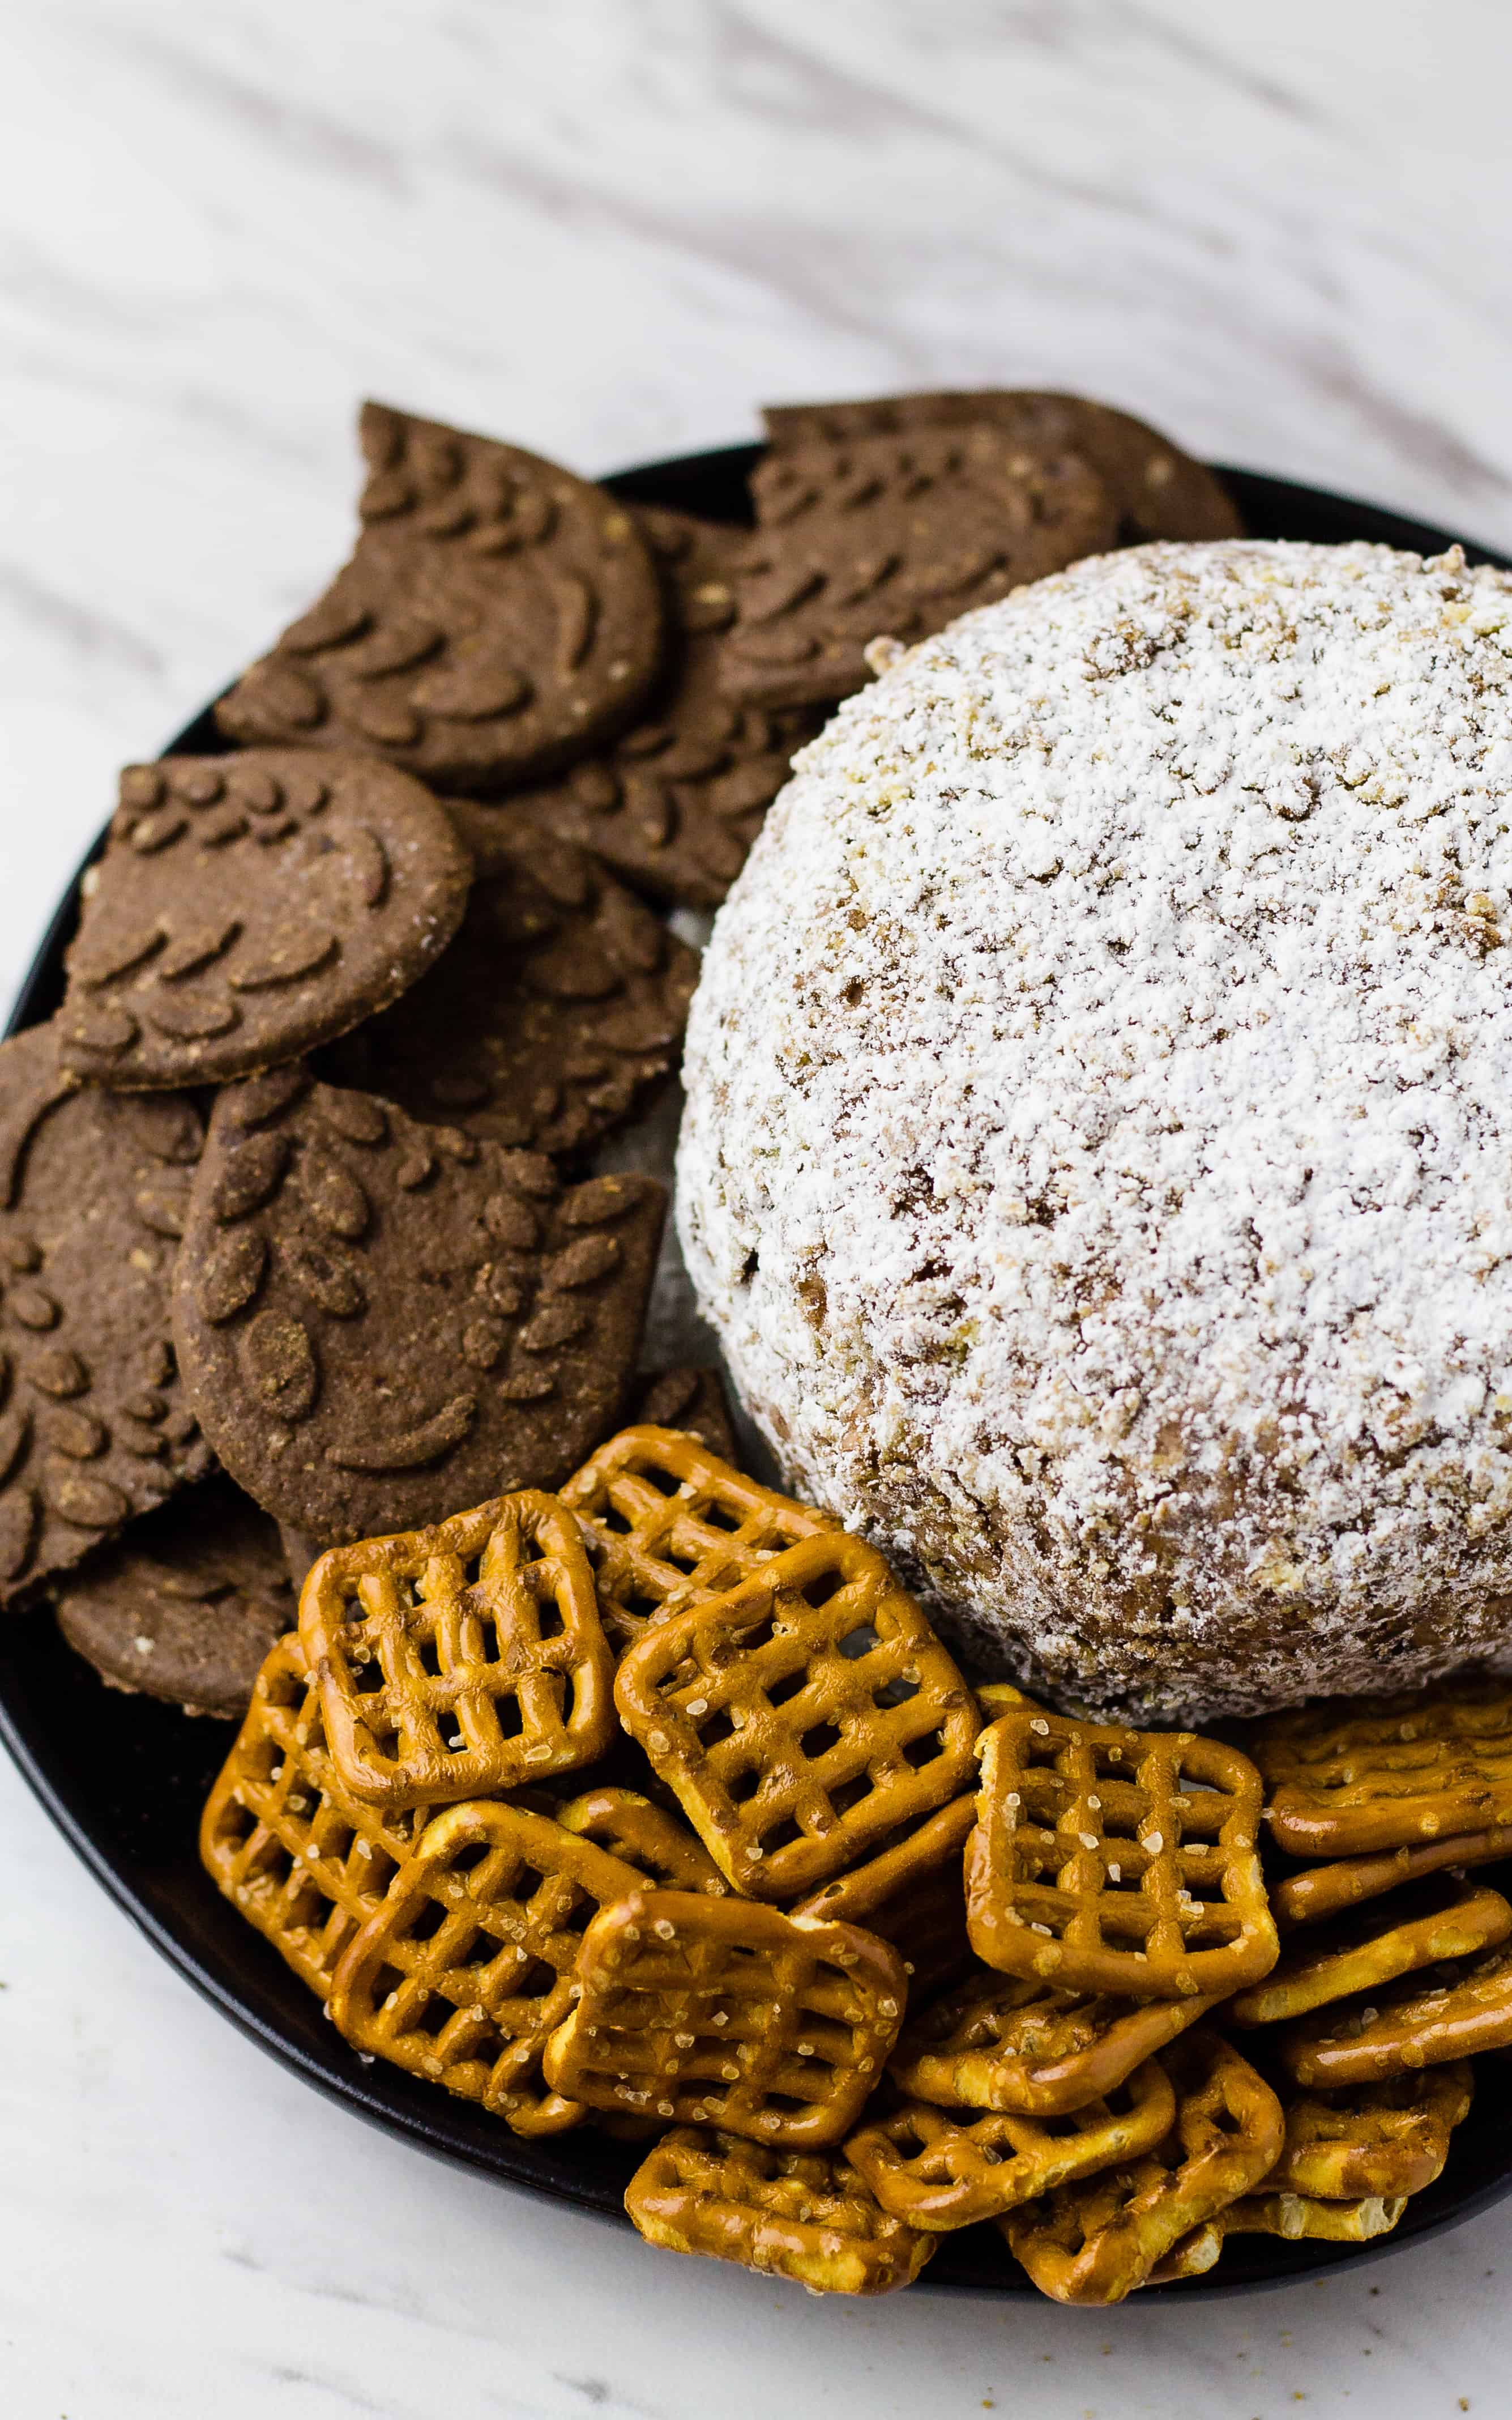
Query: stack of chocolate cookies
x,y
301,1226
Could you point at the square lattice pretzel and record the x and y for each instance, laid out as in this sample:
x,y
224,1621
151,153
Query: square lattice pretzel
x,y
663,1852
909,1891
462,1659
1002,2042
1096,2240
939,2169
801,1717
1112,1860
668,1524
801,2214
303,1860
716,2012
462,1973
1382,2139
1385,1773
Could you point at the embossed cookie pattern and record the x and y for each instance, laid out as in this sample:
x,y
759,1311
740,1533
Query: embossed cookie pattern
x,y
676,801
560,999
93,1426
498,617
895,536
249,907
1159,491
187,1606
381,1322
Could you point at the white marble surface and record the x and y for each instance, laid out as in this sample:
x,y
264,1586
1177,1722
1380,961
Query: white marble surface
x,y
607,228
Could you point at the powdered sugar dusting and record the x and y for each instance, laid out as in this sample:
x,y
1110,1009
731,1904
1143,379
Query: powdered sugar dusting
x,y
1099,1146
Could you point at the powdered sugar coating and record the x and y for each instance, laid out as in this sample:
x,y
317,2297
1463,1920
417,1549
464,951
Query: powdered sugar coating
x,y
1098,1156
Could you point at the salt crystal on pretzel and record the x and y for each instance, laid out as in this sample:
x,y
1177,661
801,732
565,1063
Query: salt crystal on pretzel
x,y
1008,2043
460,1659
1097,2241
668,1524
464,1970
802,1717
717,2012
1114,1860
807,2216
1347,1776
285,1840
941,2169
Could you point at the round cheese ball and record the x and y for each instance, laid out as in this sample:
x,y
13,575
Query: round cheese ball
x,y
1098,1155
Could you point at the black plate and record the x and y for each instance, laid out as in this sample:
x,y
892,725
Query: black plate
x,y
124,1777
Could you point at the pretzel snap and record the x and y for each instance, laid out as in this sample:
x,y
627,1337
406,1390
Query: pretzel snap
x,y
910,1894
662,1850
285,1840
1347,1778
939,2169
801,1717
461,1659
1097,2241
1002,2042
462,1973
716,2012
1362,2040
1366,1954
801,2214
668,1524
1113,1860
1295,2216
1345,1882
1382,2139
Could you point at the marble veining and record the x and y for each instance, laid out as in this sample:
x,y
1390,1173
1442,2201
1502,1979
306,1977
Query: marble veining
x,y
608,229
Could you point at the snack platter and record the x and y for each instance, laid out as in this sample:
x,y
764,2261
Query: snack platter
x,y
127,1776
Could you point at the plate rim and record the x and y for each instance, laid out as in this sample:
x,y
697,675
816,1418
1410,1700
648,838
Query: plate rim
x,y
36,999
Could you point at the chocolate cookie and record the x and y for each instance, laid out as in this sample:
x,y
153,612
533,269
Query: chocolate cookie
x,y
382,1322
93,1425
560,999
497,617
1158,490
249,907
675,804
687,1399
187,1606
895,536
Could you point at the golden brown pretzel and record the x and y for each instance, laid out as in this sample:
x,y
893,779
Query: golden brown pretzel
x,y
460,1659
1097,2241
1345,1882
1419,2023
1349,1776
668,1524
1296,2215
941,2169
910,1893
662,1850
716,2012
281,1835
999,2041
802,1717
467,1966
1382,2139
1367,1952
1112,1860
801,2214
